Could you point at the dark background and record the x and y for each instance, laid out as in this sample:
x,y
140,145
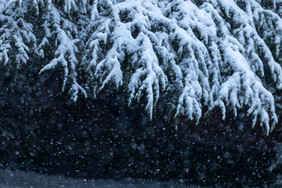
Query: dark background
x,y
42,130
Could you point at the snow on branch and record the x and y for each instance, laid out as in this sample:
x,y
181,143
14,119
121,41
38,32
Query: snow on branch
x,y
65,51
200,54
212,55
146,59
248,57
17,40
118,33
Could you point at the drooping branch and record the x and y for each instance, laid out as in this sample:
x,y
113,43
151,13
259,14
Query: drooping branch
x,y
203,54
65,49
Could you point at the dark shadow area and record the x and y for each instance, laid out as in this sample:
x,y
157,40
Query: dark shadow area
x,y
42,130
